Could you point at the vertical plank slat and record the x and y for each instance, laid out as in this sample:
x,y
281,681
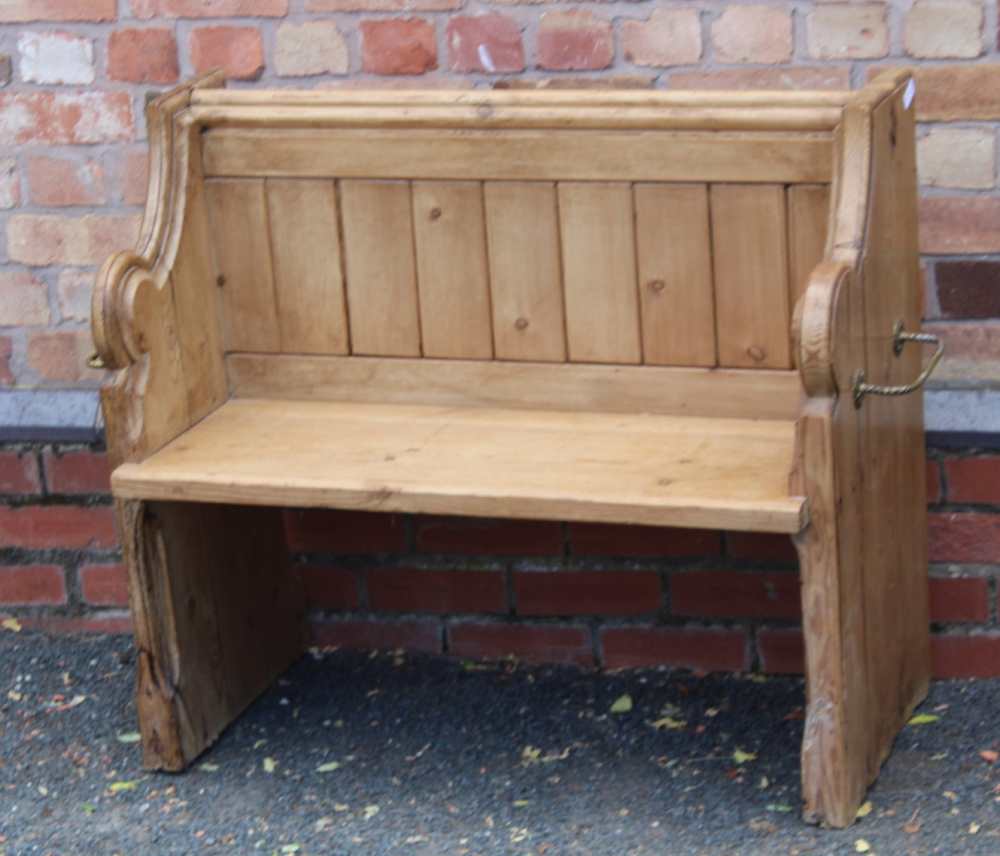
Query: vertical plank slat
x,y
243,256
808,213
381,274
307,266
675,274
522,226
750,253
452,277
598,255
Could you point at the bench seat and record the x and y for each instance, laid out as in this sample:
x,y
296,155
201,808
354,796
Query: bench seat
x,y
602,467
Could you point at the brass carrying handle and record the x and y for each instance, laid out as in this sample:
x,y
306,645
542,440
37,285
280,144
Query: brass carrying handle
x,y
95,361
899,338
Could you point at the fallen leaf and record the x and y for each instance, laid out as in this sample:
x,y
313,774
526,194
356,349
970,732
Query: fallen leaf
x,y
623,704
741,757
14,695
862,846
270,765
521,803
370,811
762,825
328,767
340,807
780,808
11,624
323,823
990,756
118,787
923,719
912,826
88,808
129,737
974,828
668,723
757,679
290,848
865,810
208,768
530,755
712,712
950,795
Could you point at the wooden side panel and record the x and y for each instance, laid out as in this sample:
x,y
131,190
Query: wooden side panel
x,y
522,225
749,241
808,214
452,277
308,276
238,216
674,251
598,260
381,273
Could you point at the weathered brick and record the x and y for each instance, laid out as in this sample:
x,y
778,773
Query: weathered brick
x,y
64,527
753,34
946,93
944,29
320,531
959,224
330,588
785,77
781,651
43,239
378,634
382,5
58,182
971,351
963,537
32,584
735,594
398,46
6,352
73,292
10,183
481,536
23,11
411,590
957,157
959,599
77,472
973,479
669,37
612,592
59,355
24,300
488,43
314,47
55,58
104,585
239,51
143,55
135,178
968,289
687,647
65,117
19,473
847,31
973,656
609,539
530,642
210,8
574,40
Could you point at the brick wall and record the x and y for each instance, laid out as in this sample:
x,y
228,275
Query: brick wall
x,y
544,591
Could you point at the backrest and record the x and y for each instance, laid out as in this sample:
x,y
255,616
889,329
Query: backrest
x,y
633,228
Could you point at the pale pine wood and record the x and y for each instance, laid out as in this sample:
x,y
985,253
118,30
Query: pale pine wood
x,y
517,154
659,470
525,271
750,252
808,213
452,276
674,252
599,276
557,386
308,273
238,217
381,271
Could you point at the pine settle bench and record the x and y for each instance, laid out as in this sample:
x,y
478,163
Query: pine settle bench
x,y
643,307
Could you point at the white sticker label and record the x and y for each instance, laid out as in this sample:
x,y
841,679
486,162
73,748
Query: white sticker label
x,y
908,93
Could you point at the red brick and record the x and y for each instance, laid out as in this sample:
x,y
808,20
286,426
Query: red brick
x,y
959,224
58,355
933,482
424,635
135,178
484,43
22,11
735,594
760,547
44,239
330,588
77,472
959,599
974,656
691,648
382,5
65,117
533,643
782,652
484,536
59,182
19,473
66,527
238,51
964,537
574,40
320,531
608,539
32,584
210,8
586,592
104,585
412,590
398,46
6,352
115,624
974,479
143,56
968,289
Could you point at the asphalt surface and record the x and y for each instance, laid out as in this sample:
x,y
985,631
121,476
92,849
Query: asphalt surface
x,y
367,754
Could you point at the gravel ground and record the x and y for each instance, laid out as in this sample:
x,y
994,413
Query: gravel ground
x,y
353,753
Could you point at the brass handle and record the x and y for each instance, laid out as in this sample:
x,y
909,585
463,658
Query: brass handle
x,y
899,338
95,361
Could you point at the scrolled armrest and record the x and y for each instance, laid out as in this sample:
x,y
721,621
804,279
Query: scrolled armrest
x,y
821,329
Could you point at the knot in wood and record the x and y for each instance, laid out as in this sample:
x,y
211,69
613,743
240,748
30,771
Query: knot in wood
x,y
521,323
756,353
656,285
435,213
